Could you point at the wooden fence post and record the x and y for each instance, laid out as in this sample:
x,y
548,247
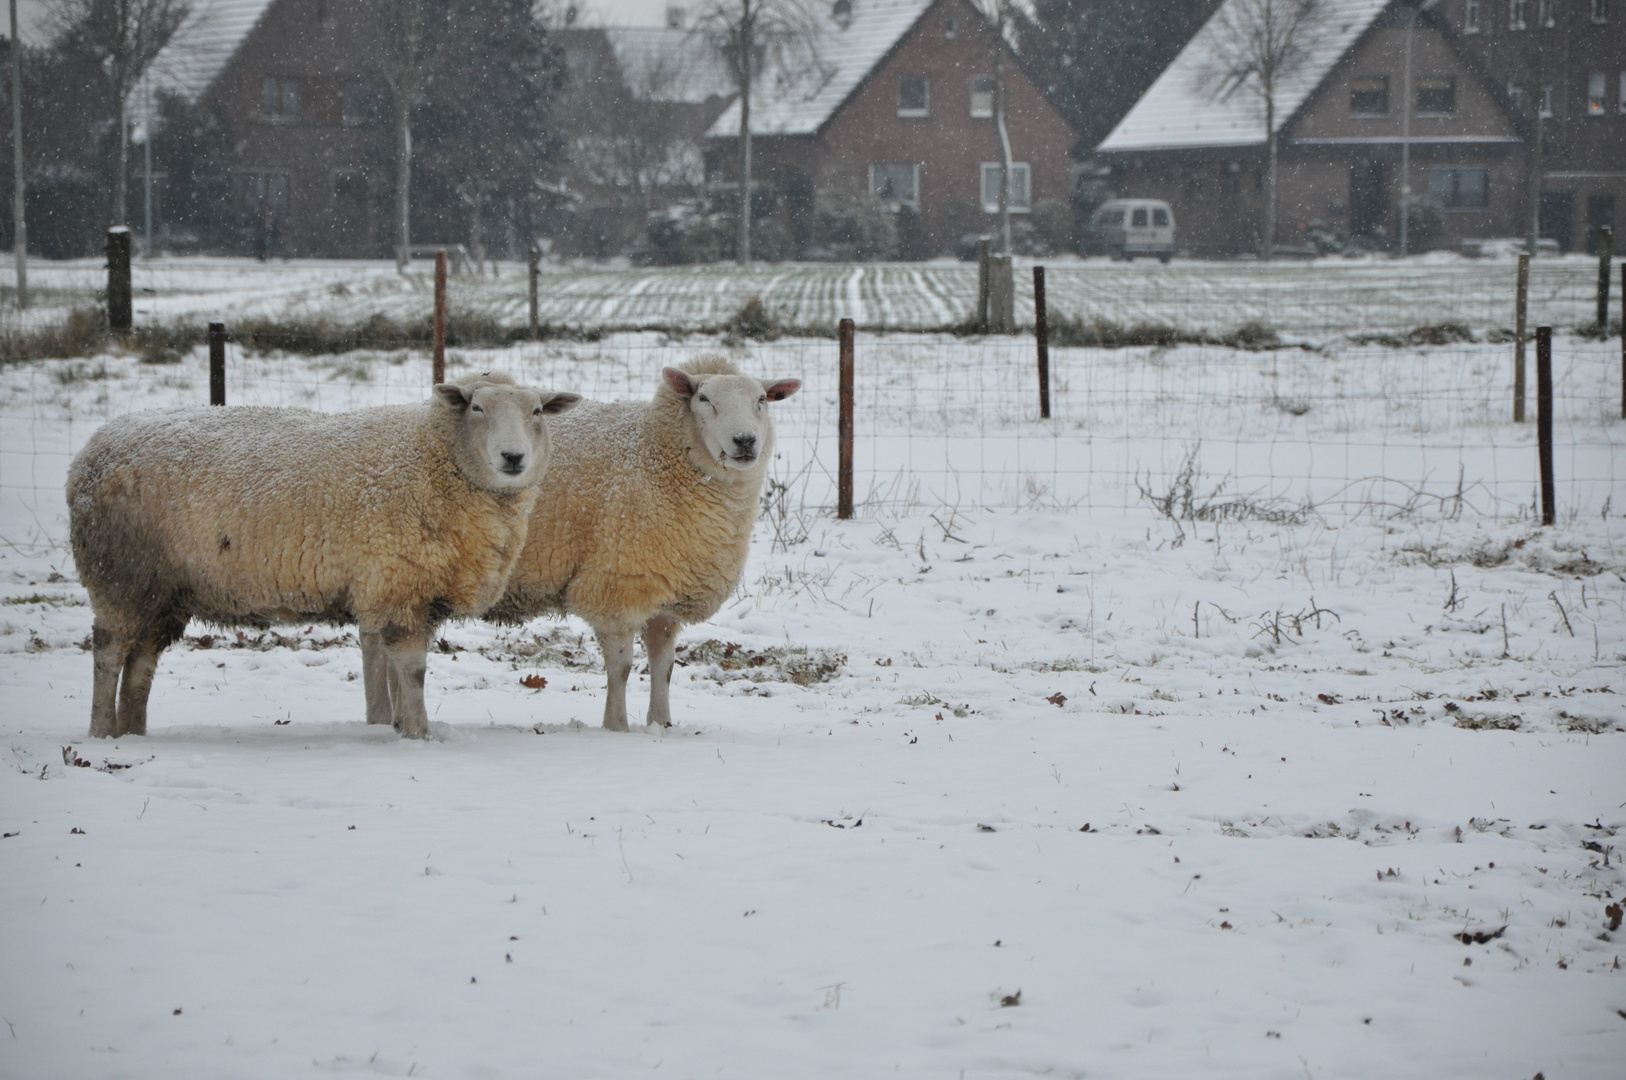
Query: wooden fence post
x,y
1520,306
1544,421
844,427
1623,341
119,316
1606,246
1041,335
1001,296
440,317
217,363
535,257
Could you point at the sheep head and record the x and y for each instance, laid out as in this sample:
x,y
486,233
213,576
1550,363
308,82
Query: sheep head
x,y
730,412
500,439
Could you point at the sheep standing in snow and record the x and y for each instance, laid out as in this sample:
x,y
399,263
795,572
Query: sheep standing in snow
x,y
645,518
394,518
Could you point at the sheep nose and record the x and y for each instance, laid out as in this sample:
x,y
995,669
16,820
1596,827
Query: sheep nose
x,y
745,444
513,462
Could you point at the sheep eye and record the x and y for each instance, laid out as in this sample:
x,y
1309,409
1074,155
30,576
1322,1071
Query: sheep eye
x,y
537,411
477,408
702,397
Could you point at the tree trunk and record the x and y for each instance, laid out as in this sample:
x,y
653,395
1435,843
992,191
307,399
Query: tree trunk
x,y
121,194
403,179
1005,163
747,40
1269,245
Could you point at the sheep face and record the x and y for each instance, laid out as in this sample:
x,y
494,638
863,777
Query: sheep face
x,y
730,412
501,441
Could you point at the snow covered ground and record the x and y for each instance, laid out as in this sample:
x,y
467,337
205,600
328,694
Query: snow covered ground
x,y
1314,301
1072,790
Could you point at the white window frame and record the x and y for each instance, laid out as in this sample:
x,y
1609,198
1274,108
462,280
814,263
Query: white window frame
x,y
1545,98
982,114
1597,94
1418,110
1600,11
1544,14
914,181
288,89
1018,168
926,110
1470,16
1516,14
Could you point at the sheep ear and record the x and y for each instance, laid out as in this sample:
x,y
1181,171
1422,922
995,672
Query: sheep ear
x,y
781,389
682,384
560,402
451,395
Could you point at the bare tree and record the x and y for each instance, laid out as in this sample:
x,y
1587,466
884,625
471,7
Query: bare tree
x,y
403,62
1254,47
1001,17
124,37
762,41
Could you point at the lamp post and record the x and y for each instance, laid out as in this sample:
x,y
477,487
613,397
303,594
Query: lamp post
x,y
1414,10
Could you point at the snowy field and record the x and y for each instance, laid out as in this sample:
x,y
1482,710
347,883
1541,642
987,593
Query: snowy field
x,y
1012,776
1313,301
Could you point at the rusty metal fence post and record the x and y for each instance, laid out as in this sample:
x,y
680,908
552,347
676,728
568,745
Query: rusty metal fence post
x,y
217,363
1544,421
1520,305
844,428
535,258
1041,335
440,318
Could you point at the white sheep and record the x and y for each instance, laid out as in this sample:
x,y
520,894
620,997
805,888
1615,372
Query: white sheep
x,y
394,518
645,517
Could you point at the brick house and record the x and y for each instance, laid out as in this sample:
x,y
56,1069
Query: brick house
x,y
1343,123
1566,60
294,83
905,114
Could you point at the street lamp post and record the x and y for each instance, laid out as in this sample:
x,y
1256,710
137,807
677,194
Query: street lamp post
x,y
1415,10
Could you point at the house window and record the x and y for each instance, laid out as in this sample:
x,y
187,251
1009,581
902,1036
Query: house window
x,y
1020,200
1470,16
896,183
1515,94
279,98
1369,97
1544,14
1546,98
1436,97
951,27
1594,94
914,95
359,105
1600,11
1622,105
982,96
265,193
1516,14
1460,189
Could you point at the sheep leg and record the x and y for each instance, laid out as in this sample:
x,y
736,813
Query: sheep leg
x,y
408,652
140,664
660,643
617,648
108,651
375,678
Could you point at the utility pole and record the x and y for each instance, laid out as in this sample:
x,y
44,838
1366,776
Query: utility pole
x,y
19,226
146,170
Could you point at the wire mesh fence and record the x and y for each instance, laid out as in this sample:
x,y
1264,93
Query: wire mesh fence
x,y
1370,424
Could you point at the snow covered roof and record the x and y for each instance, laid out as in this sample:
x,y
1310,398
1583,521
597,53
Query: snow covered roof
x,y
668,65
1177,112
848,53
200,49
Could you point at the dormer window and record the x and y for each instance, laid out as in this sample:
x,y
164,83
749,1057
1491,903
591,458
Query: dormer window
x,y
914,95
842,12
951,27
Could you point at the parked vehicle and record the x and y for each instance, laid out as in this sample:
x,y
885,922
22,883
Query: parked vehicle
x,y
1125,228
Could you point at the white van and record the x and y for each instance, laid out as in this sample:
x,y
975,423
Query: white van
x,y
1124,228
